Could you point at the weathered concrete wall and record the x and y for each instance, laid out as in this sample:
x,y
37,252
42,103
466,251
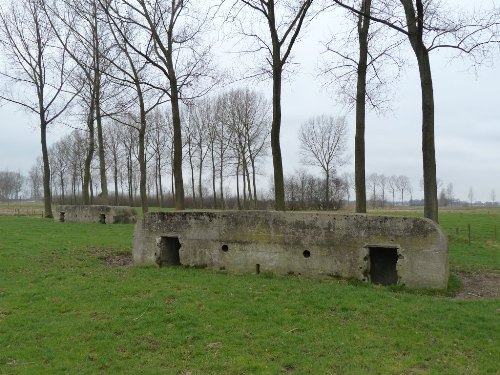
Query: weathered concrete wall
x,y
312,244
96,214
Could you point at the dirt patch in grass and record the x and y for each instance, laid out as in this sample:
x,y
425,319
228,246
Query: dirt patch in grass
x,y
118,260
478,285
112,257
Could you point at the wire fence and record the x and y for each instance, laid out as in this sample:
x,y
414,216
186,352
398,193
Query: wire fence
x,y
473,232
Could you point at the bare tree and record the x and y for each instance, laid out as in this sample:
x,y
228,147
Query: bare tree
x,y
372,183
470,195
284,22
11,184
37,74
430,28
35,176
361,77
382,183
112,142
305,191
450,195
393,182
87,44
349,185
79,20
174,29
59,155
403,184
159,138
250,127
224,138
322,144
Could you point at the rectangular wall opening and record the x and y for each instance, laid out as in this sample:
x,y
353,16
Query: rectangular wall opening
x,y
383,261
169,251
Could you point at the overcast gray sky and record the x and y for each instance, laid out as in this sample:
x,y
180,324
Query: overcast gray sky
x,y
467,124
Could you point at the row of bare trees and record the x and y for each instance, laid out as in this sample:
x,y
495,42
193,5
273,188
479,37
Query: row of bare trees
x,y
382,189
100,59
121,59
305,191
11,184
226,139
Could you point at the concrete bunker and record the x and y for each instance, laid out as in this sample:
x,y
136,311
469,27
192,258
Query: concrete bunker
x,y
168,251
379,249
97,214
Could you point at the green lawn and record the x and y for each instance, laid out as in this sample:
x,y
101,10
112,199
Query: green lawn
x,y
63,310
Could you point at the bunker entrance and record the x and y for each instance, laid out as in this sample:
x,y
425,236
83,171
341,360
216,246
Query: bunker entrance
x,y
169,251
383,262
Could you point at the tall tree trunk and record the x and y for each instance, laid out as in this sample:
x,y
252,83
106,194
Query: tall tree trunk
x,y
130,179
89,156
142,157
157,188
428,146
221,180
360,181
249,185
100,146
252,160
243,175
47,196
160,182
172,183
279,185
415,24
200,190
176,123
142,167
97,103
191,166
238,184
115,177
327,188
91,190
214,188
61,178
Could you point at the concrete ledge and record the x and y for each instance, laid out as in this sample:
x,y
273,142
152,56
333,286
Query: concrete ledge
x,y
381,249
96,214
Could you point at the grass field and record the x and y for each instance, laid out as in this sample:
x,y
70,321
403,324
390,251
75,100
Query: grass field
x,y
66,307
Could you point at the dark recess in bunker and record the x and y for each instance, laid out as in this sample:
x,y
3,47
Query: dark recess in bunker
x,y
169,251
383,262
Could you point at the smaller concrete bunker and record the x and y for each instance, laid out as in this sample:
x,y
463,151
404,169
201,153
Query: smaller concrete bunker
x,y
379,249
97,214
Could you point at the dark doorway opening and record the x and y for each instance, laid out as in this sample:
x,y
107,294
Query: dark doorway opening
x,y
169,251
102,218
383,262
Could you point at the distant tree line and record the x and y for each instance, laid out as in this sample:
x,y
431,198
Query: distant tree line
x,y
11,185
